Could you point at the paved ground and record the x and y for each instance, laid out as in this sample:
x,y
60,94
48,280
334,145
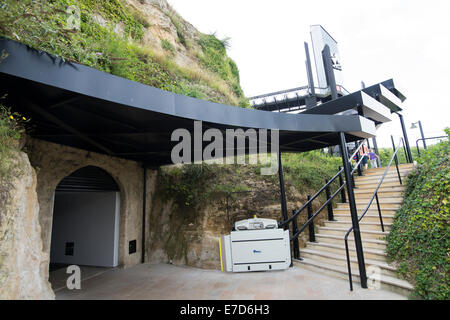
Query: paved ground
x,y
58,277
163,281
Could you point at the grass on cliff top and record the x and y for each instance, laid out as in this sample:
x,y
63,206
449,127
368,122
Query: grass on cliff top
x,y
419,240
48,26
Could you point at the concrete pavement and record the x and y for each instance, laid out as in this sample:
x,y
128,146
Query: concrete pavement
x,y
164,281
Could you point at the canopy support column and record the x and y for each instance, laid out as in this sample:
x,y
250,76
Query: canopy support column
x,y
353,211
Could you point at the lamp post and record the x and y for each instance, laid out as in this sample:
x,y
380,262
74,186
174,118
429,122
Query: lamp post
x,y
413,126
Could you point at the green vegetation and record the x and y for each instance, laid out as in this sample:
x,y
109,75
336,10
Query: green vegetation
x,y
192,185
215,58
11,130
180,32
166,45
386,155
110,39
419,240
308,171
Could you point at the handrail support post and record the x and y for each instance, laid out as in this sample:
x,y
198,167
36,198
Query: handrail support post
x,y
295,243
341,182
330,204
312,234
379,212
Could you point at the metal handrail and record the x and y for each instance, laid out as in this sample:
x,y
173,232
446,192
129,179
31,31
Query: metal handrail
x,y
297,232
423,139
357,164
374,196
297,212
356,151
317,212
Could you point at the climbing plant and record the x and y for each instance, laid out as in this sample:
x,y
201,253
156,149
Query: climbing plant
x,y
419,240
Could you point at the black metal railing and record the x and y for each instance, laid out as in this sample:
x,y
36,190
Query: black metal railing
x,y
374,197
423,139
296,231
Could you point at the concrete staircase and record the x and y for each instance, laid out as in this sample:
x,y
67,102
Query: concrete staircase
x,y
328,255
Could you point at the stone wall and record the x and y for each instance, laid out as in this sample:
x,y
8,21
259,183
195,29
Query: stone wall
x,y
23,262
190,236
53,162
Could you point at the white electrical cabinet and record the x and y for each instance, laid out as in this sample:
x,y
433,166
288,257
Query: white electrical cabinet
x,y
256,245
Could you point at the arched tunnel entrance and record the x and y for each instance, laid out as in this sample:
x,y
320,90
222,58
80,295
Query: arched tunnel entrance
x,y
85,228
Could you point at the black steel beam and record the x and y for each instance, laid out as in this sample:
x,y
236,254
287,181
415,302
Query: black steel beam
x,y
353,211
50,117
405,138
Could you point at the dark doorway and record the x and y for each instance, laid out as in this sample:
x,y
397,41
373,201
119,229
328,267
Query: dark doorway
x,y
85,229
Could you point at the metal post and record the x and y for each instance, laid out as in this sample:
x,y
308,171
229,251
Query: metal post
x,y
379,212
312,234
341,182
396,160
404,150
421,133
312,101
375,146
330,204
358,164
405,138
282,191
295,244
353,212
144,200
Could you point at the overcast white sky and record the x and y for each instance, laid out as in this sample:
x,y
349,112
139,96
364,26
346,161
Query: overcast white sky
x,y
406,40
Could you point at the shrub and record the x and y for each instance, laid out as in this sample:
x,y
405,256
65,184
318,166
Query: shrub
x,y
419,240
167,46
11,130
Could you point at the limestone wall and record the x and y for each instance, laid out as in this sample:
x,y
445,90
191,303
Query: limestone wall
x,y
53,162
23,262
190,236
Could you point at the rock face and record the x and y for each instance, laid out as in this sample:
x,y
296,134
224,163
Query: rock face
x,y
190,236
22,260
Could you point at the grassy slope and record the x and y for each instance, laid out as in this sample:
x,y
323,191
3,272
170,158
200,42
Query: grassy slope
x,y
47,26
419,240
192,185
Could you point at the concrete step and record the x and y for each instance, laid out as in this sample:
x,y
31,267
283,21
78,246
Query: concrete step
x,y
363,225
361,205
341,260
374,184
368,243
376,180
389,283
389,174
369,253
382,188
382,200
367,194
367,218
365,234
393,167
371,211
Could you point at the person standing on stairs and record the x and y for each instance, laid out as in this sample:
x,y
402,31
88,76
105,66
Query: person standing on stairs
x,y
373,158
364,152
